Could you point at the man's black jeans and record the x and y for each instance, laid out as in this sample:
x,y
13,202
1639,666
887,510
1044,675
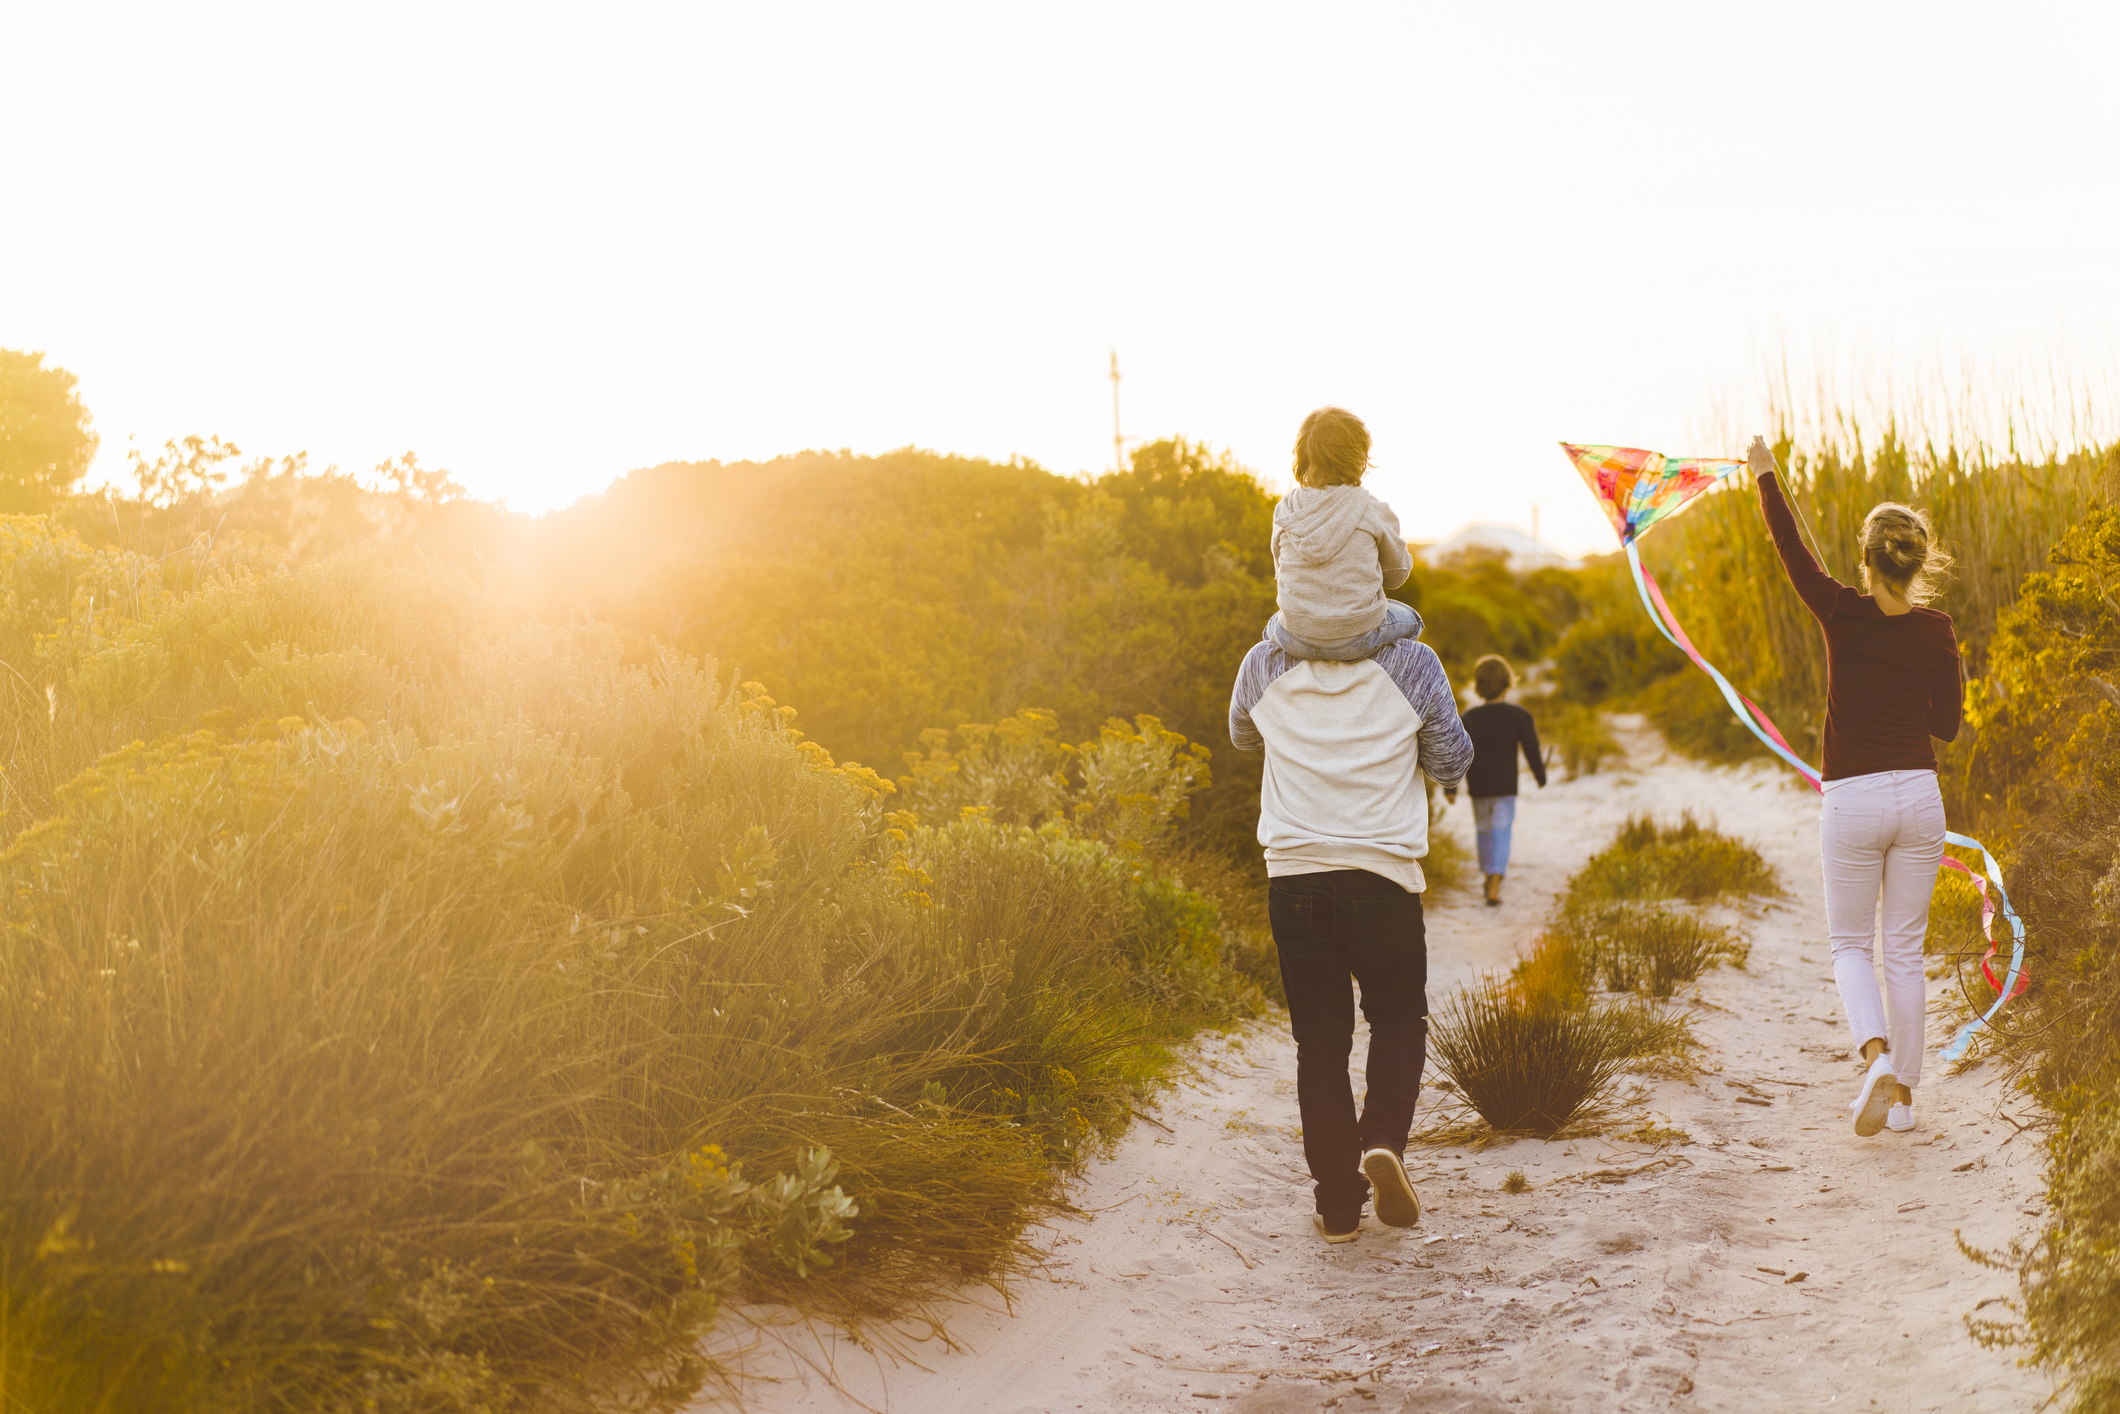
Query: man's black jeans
x,y
1333,930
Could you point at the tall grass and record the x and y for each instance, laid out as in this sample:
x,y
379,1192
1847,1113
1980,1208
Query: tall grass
x,y
405,1011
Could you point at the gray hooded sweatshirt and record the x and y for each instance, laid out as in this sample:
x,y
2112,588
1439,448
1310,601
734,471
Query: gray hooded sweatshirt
x,y
1336,549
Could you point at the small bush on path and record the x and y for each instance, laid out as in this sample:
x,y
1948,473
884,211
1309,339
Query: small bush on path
x,y
1688,861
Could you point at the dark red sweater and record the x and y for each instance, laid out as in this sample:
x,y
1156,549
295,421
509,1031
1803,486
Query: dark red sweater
x,y
1892,682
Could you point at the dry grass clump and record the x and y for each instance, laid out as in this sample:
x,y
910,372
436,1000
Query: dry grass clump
x,y
1652,950
1528,1068
1690,861
1624,948
1516,1182
1645,1031
1540,1051
1556,972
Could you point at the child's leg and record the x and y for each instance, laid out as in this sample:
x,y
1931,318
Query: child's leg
x,y
1483,832
1501,815
1400,621
1294,644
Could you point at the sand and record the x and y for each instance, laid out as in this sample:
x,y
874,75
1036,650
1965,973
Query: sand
x,y
1629,1277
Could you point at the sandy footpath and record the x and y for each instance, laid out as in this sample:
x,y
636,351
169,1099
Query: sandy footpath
x,y
1627,1278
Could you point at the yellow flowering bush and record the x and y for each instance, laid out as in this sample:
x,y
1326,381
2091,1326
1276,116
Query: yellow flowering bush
x,y
407,1009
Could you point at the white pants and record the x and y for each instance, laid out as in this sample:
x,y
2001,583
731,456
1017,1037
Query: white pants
x,y
1882,833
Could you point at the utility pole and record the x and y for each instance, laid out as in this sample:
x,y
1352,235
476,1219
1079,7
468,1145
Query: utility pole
x,y
1118,442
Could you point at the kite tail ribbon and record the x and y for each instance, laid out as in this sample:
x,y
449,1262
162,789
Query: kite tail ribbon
x,y
1748,712
2012,983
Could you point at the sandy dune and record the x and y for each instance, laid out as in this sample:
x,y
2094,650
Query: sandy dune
x,y
1628,1278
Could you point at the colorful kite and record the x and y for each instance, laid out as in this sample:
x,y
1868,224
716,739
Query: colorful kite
x,y
1638,488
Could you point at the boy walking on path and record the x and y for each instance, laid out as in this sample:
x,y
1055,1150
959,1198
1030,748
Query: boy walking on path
x,y
1344,821
1497,729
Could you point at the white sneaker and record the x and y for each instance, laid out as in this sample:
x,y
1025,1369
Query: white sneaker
x,y
1875,1097
1899,1119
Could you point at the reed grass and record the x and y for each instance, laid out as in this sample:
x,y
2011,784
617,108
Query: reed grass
x,y
1997,514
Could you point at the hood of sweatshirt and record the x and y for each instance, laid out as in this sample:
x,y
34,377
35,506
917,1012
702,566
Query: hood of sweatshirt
x,y
1313,524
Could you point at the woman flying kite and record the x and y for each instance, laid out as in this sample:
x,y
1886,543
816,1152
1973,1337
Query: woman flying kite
x,y
1893,681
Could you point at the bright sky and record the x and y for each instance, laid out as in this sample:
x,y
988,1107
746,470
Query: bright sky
x,y
543,245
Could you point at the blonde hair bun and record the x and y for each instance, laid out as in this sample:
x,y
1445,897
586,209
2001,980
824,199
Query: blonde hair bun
x,y
1899,547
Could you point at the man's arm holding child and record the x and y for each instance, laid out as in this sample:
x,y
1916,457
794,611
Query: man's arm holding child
x,y
1261,666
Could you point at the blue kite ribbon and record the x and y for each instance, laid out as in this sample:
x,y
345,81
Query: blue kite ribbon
x,y
1964,1038
1762,727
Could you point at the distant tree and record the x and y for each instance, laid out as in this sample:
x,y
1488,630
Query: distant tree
x,y
188,467
404,476
45,438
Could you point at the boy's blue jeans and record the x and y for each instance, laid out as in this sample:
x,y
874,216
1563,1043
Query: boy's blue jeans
x,y
1492,818
1400,621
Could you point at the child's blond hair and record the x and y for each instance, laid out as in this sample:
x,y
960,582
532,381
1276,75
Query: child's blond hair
x,y
1332,449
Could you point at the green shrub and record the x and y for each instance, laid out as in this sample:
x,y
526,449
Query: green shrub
x,y
1631,948
1696,719
2070,1276
1689,861
1613,654
466,1051
1578,737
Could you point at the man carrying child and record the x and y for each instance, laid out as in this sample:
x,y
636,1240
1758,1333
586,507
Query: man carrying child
x,y
1350,710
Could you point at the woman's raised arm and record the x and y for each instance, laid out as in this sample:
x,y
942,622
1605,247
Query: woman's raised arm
x,y
1818,590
